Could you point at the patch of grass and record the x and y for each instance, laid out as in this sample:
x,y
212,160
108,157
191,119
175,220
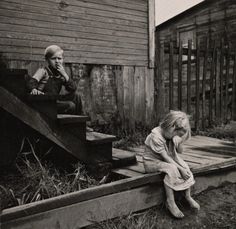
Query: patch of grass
x,y
35,180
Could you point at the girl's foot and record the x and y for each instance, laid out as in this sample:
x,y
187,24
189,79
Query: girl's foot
x,y
193,203
174,210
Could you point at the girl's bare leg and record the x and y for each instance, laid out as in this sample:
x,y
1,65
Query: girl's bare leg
x,y
190,200
170,203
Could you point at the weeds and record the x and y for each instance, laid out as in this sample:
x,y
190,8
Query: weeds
x,y
42,180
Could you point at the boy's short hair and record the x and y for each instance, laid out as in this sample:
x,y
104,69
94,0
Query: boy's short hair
x,y
51,50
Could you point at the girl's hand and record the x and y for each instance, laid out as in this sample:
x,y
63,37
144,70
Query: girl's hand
x,y
36,92
185,173
62,71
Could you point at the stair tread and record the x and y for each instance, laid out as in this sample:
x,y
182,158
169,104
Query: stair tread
x,y
122,158
68,118
95,137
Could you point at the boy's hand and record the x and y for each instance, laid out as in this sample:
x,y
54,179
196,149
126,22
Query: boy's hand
x,y
62,71
177,141
185,173
36,92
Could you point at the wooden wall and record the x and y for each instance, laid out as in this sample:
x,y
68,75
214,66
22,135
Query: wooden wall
x,y
95,34
90,31
215,19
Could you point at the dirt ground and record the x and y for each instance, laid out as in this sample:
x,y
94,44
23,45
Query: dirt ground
x,y
218,210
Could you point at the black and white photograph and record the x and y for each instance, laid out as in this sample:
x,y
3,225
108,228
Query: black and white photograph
x,y
117,114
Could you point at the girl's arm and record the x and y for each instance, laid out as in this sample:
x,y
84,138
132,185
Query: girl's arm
x,y
184,171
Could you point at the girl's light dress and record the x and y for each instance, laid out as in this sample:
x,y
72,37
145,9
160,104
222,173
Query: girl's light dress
x,y
153,161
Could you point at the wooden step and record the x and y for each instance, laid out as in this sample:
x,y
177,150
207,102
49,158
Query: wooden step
x,y
68,118
75,124
122,158
100,144
93,137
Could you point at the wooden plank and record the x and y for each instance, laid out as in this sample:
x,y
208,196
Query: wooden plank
x,y
149,98
97,9
79,196
81,43
47,13
81,214
151,27
221,81
212,77
99,138
180,75
207,155
226,102
171,76
96,210
205,64
70,27
67,118
25,57
197,106
217,86
189,77
234,90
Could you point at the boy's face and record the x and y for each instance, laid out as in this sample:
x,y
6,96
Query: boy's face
x,y
55,60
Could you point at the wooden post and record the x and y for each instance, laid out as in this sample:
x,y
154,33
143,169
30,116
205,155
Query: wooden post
x,y
197,86
212,76
217,86
221,80
151,24
189,76
204,85
180,75
159,95
226,101
234,90
171,76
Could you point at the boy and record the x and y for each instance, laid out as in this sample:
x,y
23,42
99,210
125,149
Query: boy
x,y
50,79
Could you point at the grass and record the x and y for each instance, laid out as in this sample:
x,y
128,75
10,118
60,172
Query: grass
x,y
34,179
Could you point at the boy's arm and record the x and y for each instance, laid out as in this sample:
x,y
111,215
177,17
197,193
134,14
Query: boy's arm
x,y
69,84
32,82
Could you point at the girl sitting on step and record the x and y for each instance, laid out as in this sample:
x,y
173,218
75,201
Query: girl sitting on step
x,y
161,154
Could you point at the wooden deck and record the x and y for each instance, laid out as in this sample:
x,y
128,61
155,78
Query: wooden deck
x,y
200,153
212,161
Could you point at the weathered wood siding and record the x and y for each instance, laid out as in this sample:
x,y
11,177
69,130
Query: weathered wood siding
x,y
216,19
106,50
108,31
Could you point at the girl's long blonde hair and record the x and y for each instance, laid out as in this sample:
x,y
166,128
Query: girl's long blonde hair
x,y
178,119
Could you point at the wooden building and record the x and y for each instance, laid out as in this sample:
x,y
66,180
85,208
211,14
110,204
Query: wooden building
x,y
198,64
108,49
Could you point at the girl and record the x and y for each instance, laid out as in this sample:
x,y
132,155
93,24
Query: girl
x,y
50,79
161,154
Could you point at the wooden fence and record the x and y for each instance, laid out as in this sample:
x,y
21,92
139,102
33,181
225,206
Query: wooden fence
x,y
199,80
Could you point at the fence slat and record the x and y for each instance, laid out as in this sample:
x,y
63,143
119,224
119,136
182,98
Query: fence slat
x,y
226,85
180,75
212,76
189,76
217,86
197,86
234,90
221,80
204,85
171,76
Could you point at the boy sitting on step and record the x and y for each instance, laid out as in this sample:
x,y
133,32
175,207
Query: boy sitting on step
x,y
50,79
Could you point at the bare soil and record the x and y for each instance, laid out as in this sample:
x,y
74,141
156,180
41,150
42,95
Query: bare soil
x,y
218,210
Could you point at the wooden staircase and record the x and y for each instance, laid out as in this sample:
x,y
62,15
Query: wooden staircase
x,y
69,132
